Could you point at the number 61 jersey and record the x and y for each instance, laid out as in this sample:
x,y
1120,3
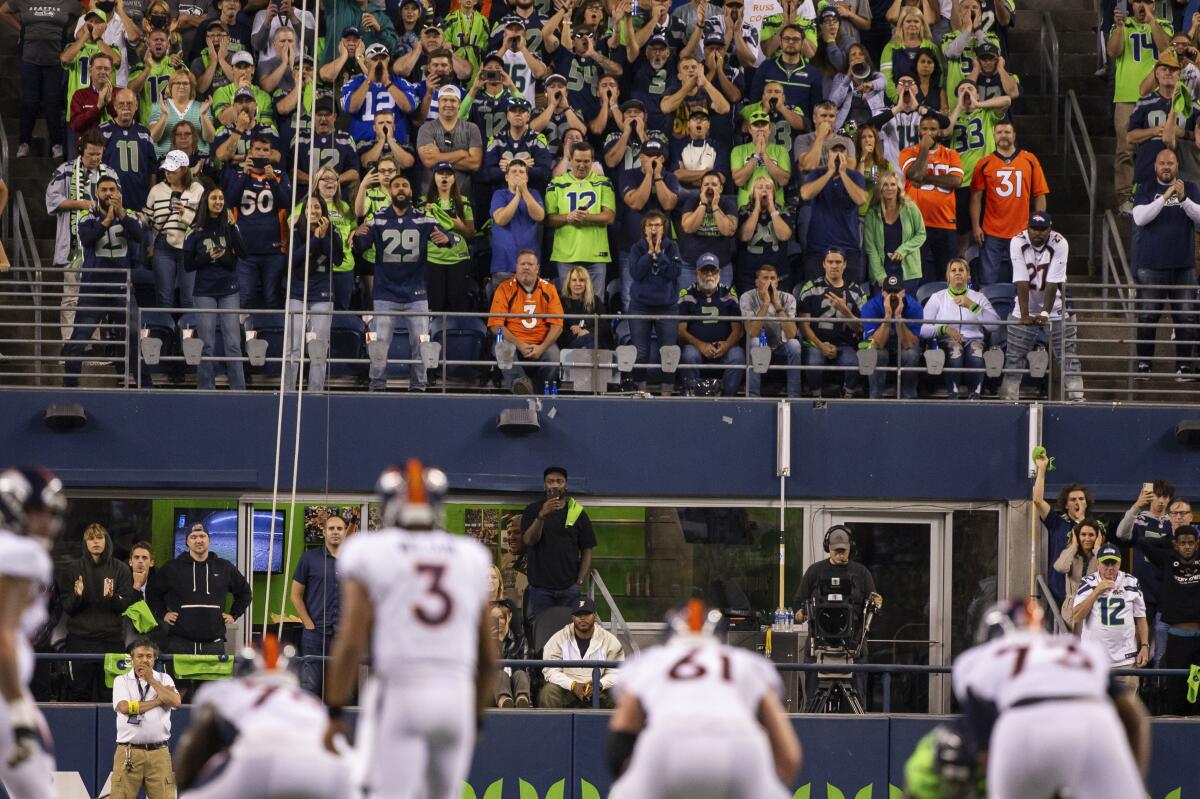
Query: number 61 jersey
x,y
1027,665
427,590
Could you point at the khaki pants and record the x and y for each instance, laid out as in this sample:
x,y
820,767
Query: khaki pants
x,y
1123,165
69,302
148,767
552,696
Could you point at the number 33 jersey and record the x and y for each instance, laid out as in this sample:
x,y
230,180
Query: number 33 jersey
x,y
427,591
1030,665
698,679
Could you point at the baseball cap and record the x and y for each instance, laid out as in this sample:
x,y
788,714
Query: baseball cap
x,y
714,39
987,49
553,469
891,285
827,11
351,31
493,56
1168,60
628,104
1108,552
759,116
443,166
840,539
514,22
176,159
416,3
517,104
698,111
1040,220
432,24
708,261
583,605
244,92
555,78
658,40
96,12
652,147
377,49
325,104
840,141
241,57
449,91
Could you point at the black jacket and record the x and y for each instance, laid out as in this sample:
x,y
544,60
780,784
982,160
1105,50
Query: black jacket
x,y
196,591
93,615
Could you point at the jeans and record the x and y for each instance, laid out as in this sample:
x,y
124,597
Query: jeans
x,y
941,244
538,375
90,315
1023,338
639,331
790,352
845,357
966,354
910,359
595,271
261,280
42,92
231,337
542,598
418,326
1180,306
319,322
312,672
343,289
995,264
170,275
731,380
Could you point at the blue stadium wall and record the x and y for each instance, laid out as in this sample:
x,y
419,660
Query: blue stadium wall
x,y
683,448
560,755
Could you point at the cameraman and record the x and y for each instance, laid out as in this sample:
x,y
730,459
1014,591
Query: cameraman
x,y
853,581
558,540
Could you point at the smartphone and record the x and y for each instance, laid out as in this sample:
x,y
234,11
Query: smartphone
x,y
1148,487
260,163
1123,7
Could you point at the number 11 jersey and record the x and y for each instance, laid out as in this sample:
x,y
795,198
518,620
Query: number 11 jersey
x,y
427,591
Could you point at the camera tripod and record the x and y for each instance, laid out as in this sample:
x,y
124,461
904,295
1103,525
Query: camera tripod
x,y
835,691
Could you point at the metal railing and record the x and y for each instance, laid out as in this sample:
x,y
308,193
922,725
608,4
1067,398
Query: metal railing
x,y
1048,53
1085,158
1058,625
618,619
6,216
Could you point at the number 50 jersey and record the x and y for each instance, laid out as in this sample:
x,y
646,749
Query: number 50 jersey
x,y
427,591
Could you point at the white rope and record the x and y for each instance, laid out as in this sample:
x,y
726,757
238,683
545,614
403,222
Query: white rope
x,y
287,322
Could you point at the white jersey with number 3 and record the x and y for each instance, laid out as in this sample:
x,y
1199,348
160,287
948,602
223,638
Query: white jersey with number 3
x,y
428,590
1031,665
697,678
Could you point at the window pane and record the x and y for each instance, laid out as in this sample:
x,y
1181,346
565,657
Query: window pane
x,y
974,576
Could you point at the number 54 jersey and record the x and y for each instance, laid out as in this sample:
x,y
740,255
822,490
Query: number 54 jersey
x,y
428,590
1029,665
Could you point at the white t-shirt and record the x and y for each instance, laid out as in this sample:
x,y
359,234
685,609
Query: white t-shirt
x,y
154,725
1029,665
24,558
428,590
1037,268
692,678
1111,620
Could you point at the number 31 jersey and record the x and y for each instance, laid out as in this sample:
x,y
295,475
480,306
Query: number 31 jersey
x,y
690,679
1031,665
427,591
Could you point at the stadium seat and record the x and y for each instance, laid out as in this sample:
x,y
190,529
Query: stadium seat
x,y
160,325
1002,296
928,290
270,328
399,350
462,339
547,623
346,341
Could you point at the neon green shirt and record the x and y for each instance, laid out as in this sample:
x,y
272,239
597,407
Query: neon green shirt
x,y
223,96
774,23
743,153
582,244
153,88
342,219
1136,61
468,38
79,72
974,137
456,251
781,130
959,68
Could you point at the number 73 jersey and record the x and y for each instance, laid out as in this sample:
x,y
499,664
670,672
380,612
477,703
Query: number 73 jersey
x,y
699,679
1031,665
427,591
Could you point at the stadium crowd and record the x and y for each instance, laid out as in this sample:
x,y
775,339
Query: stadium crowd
x,y
560,157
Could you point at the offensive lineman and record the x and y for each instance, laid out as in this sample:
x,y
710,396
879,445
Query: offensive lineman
x,y
706,719
1041,703
415,596
32,507
259,737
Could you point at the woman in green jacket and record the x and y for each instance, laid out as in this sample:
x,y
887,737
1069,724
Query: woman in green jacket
x,y
893,232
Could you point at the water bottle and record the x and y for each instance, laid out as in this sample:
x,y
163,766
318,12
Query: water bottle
x,y
546,388
778,620
762,336
499,336
554,388
790,622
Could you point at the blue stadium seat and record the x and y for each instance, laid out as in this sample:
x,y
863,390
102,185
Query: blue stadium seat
x,y
928,290
462,339
162,327
1002,296
346,341
400,349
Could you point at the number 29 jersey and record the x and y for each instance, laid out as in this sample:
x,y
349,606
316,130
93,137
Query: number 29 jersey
x,y
427,590
1031,665
695,679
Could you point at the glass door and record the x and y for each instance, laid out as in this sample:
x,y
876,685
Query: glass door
x,y
904,553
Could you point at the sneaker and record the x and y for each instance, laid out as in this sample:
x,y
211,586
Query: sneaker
x,y
505,701
1126,208
23,151
1184,373
1143,370
975,395
523,700
56,151
522,385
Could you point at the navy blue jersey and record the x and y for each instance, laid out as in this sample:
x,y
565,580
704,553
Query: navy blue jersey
x,y
710,153
260,209
629,231
710,327
215,277
259,129
401,245
332,149
533,32
323,255
651,85
530,147
1168,241
490,114
802,85
1151,111
105,247
583,80
1147,526
130,153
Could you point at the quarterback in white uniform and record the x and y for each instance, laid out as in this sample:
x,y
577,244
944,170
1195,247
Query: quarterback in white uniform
x,y
31,513
1042,704
259,737
1112,604
703,720
415,597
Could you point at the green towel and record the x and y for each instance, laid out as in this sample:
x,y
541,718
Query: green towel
x,y
1039,452
574,511
1193,684
115,665
143,619
203,667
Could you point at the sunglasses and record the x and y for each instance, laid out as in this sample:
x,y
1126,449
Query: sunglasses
x,y
582,35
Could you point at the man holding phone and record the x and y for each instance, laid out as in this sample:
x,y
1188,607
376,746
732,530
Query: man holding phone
x,y
559,540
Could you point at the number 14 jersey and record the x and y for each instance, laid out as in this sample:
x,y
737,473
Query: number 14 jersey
x,y
427,591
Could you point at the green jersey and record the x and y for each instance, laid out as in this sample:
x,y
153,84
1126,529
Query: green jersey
x,y
781,130
580,244
342,219
456,251
774,23
743,153
959,68
974,137
79,72
468,37
153,89
1136,61
223,96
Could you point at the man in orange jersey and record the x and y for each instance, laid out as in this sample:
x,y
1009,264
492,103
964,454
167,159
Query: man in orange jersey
x,y
533,337
933,171
1015,186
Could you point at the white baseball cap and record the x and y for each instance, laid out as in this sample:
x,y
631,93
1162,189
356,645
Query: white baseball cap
x,y
449,91
176,159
